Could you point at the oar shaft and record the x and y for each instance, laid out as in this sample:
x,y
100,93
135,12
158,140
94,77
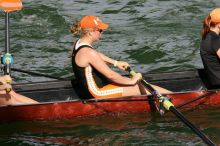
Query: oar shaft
x,y
7,40
169,106
198,98
153,92
37,74
191,126
149,87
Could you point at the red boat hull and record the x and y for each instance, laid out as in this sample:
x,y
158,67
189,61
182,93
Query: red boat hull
x,y
77,108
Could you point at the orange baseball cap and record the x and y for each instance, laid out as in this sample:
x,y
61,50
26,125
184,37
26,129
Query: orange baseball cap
x,y
215,15
93,22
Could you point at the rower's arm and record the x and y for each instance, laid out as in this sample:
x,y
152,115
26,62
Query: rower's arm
x,y
120,64
99,64
106,58
218,53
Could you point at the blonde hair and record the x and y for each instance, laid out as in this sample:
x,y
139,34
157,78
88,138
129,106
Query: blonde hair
x,y
75,29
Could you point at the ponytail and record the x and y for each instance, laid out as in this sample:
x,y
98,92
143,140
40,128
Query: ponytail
x,y
207,24
75,29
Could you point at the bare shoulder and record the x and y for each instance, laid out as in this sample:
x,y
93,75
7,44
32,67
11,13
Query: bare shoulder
x,y
88,52
85,56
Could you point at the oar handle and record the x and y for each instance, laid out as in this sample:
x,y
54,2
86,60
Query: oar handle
x,y
131,71
152,90
144,82
8,89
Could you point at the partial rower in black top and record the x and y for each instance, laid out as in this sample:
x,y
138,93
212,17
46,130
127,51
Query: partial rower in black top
x,y
210,47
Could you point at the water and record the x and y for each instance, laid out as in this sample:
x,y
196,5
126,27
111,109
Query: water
x,y
132,129
152,35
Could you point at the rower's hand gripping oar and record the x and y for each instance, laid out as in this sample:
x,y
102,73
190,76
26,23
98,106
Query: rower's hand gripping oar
x,y
6,80
6,89
162,100
166,104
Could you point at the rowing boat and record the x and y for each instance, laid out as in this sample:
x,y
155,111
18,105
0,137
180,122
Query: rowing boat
x,y
61,98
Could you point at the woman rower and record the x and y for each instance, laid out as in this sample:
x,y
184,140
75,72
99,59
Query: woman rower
x,y
91,69
10,97
210,47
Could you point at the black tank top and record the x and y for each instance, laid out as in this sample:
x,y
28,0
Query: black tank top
x,y
81,77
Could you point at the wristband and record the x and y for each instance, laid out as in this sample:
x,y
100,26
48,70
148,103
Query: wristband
x,y
115,63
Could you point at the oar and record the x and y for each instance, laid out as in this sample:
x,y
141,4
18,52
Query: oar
x,y
124,99
37,74
166,104
197,98
8,6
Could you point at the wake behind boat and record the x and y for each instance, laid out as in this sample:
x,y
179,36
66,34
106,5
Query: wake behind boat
x,y
58,99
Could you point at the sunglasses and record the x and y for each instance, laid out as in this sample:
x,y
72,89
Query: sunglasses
x,y
100,30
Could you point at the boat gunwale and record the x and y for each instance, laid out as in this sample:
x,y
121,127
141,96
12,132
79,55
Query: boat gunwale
x,y
86,101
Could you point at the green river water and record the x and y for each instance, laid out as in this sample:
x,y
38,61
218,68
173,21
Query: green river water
x,y
152,35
